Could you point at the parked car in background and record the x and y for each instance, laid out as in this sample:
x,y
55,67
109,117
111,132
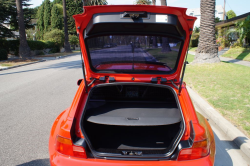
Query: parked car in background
x,y
132,107
107,46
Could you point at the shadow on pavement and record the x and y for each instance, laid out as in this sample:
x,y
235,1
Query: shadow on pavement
x,y
222,157
38,162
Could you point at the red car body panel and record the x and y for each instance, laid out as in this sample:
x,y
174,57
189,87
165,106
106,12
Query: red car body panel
x,y
61,160
129,66
63,125
82,21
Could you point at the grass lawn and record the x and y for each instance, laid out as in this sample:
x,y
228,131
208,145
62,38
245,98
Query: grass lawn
x,y
16,62
226,87
193,49
58,54
166,57
190,58
238,53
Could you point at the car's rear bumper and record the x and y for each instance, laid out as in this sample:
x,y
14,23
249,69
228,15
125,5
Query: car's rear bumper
x,y
61,160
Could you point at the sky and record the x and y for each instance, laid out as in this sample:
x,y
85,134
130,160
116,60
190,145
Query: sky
x,y
238,6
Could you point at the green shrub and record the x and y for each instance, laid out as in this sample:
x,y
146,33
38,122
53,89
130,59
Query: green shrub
x,y
53,46
14,46
3,54
4,45
73,40
56,36
36,45
194,42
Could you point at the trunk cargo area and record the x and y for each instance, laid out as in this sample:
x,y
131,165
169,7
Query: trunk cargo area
x,y
142,119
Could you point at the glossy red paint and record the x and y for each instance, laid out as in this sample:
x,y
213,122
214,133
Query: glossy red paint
x,y
68,121
82,21
129,66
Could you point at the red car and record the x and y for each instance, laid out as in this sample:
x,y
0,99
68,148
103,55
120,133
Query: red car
x,y
132,107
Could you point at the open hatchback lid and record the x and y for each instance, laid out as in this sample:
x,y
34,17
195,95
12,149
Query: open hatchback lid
x,y
134,42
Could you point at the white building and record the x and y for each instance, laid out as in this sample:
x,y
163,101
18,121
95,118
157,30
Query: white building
x,y
197,13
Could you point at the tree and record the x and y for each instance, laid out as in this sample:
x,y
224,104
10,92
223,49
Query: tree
x,y
217,19
165,41
56,36
143,2
95,2
196,30
24,49
8,16
28,14
73,40
56,18
73,7
231,14
207,51
6,9
163,2
57,2
47,15
76,7
66,37
40,22
154,37
242,29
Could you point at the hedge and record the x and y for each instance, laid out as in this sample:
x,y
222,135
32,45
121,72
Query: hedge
x,y
13,45
194,42
3,54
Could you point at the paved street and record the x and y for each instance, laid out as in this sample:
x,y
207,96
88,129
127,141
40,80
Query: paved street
x,y
33,96
119,54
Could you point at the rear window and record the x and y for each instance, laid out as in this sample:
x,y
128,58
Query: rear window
x,y
131,53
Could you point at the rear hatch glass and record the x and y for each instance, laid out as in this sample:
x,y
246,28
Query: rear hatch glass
x,y
133,53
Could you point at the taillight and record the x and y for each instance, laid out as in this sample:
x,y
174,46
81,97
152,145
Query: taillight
x,y
66,147
198,150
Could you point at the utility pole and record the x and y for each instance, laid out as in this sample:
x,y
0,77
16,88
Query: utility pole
x,y
224,10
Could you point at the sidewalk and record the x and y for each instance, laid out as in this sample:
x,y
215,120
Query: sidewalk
x,y
236,61
229,60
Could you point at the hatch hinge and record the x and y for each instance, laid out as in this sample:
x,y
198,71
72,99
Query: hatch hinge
x,y
162,80
110,79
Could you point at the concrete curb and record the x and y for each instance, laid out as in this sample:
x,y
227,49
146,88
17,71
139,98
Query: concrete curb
x,y
240,139
59,57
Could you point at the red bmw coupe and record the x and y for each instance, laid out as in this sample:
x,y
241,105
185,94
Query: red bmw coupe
x,y
132,107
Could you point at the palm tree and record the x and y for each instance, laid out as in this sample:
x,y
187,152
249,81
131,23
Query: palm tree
x,y
165,41
163,2
154,37
24,49
66,34
143,2
207,51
